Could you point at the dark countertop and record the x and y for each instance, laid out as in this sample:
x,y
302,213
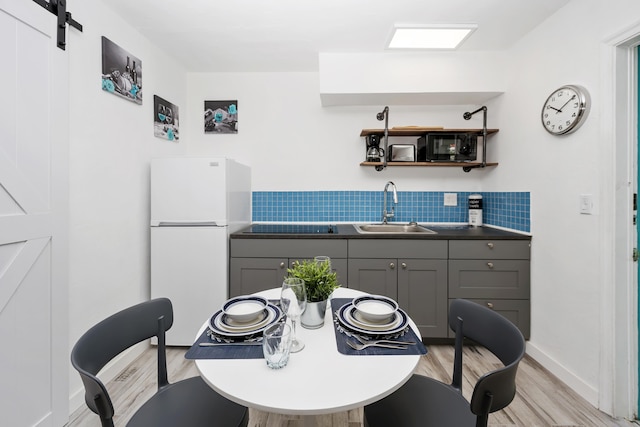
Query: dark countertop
x,y
347,231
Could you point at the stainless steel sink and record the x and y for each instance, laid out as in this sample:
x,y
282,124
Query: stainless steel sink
x,y
391,229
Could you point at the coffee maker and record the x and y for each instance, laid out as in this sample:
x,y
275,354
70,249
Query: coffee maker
x,y
374,152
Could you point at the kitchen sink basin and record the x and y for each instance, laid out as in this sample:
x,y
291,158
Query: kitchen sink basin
x,y
391,229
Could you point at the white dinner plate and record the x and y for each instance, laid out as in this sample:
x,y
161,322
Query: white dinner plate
x,y
345,319
354,316
275,314
225,323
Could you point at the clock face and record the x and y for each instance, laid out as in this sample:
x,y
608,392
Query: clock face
x,y
565,109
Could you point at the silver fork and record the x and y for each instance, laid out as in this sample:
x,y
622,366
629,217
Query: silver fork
x,y
358,347
362,341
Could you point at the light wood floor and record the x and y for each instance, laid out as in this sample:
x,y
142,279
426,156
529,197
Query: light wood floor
x,y
541,400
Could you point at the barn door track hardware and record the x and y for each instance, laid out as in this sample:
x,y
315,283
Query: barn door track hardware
x,y
59,8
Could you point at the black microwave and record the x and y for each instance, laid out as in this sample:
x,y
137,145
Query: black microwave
x,y
447,147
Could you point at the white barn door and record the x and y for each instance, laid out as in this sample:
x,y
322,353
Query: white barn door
x,y
34,363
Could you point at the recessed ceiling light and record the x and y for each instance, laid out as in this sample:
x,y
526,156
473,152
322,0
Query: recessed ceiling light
x,y
430,37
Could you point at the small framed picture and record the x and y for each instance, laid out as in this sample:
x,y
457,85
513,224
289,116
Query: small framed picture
x,y
121,72
166,119
221,116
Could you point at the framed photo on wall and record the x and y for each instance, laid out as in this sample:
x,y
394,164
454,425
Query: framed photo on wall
x,y
166,119
121,72
221,116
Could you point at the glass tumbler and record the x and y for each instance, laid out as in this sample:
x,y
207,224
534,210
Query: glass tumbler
x,y
276,345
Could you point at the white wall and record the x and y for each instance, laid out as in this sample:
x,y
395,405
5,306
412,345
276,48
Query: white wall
x,y
293,143
569,272
439,78
111,144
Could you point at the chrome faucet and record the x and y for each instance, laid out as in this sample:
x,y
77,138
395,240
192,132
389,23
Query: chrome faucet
x,y
386,215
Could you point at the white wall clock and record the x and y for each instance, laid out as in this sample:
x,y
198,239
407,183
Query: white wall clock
x,y
565,109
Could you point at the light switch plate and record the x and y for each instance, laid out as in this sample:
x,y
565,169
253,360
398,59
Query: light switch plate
x,y
451,199
586,204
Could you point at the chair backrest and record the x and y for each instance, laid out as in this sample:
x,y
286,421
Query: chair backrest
x,y
110,337
496,389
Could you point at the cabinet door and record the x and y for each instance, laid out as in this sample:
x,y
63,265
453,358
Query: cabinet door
x,y
422,293
374,276
504,279
339,265
249,275
517,311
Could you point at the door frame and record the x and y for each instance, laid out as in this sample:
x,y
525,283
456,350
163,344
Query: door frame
x,y
618,379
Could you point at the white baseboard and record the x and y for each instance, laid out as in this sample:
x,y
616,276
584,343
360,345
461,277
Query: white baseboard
x,y
108,373
587,392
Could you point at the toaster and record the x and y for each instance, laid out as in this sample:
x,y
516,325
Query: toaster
x,y
402,153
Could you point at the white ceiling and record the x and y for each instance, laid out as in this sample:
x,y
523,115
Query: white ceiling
x,y
287,35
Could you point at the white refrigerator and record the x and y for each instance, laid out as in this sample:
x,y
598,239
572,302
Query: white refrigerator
x,y
196,202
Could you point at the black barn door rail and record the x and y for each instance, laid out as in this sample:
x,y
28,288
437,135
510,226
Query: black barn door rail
x,y
59,8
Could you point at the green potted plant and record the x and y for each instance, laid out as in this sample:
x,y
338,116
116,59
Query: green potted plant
x,y
320,281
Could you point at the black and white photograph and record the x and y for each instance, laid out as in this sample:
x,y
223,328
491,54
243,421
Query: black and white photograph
x,y
121,72
166,120
221,116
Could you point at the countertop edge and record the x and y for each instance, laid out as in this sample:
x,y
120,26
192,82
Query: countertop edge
x,y
347,231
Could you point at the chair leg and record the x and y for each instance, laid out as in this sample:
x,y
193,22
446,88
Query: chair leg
x,y
163,379
457,360
482,420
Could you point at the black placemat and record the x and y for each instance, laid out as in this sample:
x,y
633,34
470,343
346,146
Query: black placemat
x,y
342,337
221,351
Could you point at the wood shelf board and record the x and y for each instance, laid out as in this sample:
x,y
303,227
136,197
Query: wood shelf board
x,y
419,131
433,164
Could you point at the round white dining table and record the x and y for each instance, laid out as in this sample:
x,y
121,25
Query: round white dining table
x,y
317,380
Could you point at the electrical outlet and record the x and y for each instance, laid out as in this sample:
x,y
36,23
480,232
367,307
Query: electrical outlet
x,y
451,199
586,204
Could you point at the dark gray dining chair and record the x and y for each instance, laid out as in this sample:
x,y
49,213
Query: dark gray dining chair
x,y
426,402
190,402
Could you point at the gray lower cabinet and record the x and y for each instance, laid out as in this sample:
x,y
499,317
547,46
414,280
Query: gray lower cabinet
x,y
422,275
495,274
422,290
374,276
250,275
259,264
418,284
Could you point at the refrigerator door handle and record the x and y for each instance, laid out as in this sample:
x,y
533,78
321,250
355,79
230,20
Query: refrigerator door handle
x,y
185,224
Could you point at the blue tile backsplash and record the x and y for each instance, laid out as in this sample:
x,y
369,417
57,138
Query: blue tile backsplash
x,y
502,209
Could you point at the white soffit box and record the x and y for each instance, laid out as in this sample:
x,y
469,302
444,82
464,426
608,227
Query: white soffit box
x,y
443,78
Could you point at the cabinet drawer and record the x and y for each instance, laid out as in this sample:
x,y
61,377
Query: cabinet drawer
x,y
489,249
371,248
504,279
517,311
288,248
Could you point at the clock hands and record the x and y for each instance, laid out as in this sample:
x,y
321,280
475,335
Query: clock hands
x,y
554,108
564,105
